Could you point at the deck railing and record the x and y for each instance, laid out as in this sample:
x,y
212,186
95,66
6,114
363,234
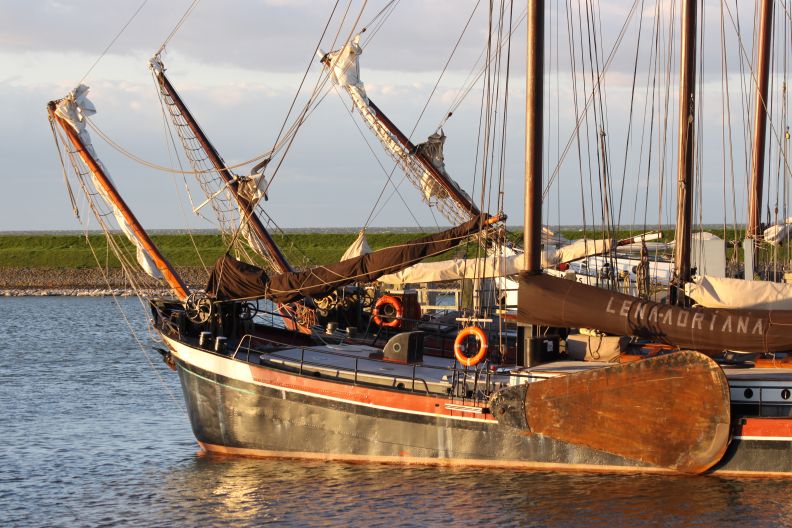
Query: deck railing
x,y
465,384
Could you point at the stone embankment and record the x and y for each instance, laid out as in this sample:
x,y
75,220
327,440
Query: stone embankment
x,y
80,282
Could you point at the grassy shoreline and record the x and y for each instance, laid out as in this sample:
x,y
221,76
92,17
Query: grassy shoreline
x,y
65,263
70,251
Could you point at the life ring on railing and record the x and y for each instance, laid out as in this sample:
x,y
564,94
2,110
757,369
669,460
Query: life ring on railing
x,y
395,303
483,342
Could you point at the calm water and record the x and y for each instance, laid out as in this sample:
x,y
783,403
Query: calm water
x,y
95,434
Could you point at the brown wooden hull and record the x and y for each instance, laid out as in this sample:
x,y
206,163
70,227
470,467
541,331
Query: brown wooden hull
x,y
671,411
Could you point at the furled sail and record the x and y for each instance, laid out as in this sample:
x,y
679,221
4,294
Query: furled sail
x,y
551,301
232,279
455,269
74,109
423,164
717,292
578,249
493,266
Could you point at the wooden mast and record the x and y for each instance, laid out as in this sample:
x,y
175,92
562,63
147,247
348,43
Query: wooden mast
x,y
160,261
534,121
245,206
529,351
462,201
687,115
760,121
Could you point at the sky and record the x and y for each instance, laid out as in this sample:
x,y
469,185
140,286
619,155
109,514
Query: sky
x,y
238,63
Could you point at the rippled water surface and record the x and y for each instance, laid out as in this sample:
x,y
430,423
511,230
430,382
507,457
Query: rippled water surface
x,y
95,433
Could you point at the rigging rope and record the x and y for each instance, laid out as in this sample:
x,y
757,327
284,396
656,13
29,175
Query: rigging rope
x,y
174,152
113,41
770,121
305,75
81,171
379,19
73,202
590,98
448,211
388,176
469,82
177,27
320,84
630,117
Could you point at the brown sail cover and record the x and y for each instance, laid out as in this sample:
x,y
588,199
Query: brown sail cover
x,y
232,279
551,301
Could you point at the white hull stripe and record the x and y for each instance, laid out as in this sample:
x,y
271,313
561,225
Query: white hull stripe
x,y
242,372
231,387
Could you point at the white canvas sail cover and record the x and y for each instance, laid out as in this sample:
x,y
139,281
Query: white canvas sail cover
x,y
699,236
252,188
252,240
779,233
492,267
715,292
346,67
455,269
581,248
359,247
73,109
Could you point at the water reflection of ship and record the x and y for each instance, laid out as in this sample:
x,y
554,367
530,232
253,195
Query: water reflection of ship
x,y
243,490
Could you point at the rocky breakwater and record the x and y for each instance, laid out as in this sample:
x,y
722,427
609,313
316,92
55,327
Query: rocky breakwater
x,y
81,281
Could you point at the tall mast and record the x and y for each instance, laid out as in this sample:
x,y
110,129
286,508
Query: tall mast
x,y
534,121
760,121
687,113
231,181
160,261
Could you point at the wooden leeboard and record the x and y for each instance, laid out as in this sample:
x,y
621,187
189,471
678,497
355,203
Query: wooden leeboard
x,y
671,411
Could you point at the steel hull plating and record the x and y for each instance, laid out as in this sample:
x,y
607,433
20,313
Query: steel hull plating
x,y
255,410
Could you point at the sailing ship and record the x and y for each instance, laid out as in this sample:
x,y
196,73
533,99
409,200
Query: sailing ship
x,y
255,390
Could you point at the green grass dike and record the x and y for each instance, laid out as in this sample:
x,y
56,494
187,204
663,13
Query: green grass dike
x,y
182,250
73,251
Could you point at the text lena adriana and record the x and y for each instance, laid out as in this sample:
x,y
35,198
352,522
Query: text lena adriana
x,y
642,312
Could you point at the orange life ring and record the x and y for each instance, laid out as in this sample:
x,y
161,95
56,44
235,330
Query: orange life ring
x,y
481,337
397,307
